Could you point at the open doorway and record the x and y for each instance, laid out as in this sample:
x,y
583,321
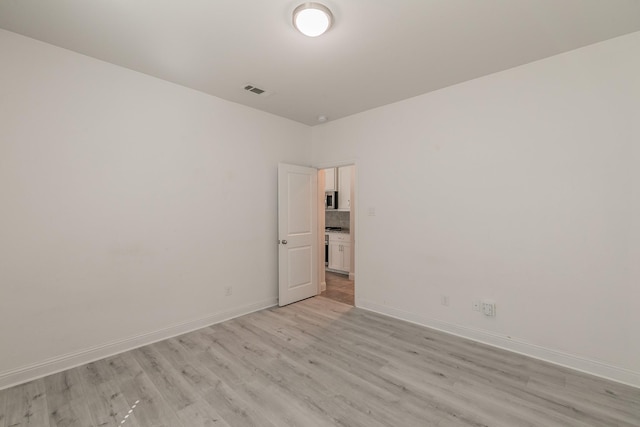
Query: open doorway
x,y
339,288
337,220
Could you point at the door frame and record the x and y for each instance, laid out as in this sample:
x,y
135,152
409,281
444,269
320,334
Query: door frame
x,y
354,223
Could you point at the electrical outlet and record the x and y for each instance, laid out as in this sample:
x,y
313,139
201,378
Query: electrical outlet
x,y
228,290
444,300
476,305
488,308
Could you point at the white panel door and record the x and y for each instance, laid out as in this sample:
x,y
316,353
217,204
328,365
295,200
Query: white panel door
x,y
297,233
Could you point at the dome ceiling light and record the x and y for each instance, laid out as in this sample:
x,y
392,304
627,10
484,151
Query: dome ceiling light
x,y
312,19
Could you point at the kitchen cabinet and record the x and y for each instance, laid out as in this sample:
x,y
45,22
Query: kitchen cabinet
x,y
340,252
330,183
344,188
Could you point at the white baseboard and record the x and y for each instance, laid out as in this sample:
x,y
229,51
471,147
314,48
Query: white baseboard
x,y
578,363
323,286
71,360
352,276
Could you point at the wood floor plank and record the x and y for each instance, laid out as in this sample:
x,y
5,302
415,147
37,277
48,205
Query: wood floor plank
x,y
135,386
414,402
4,394
66,400
319,363
179,395
212,354
26,405
174,394
274,373
299,379
107,405
235,410
607,389
392,395
590,404
348,391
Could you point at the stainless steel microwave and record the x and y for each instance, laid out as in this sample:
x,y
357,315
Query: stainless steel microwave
x,y
331,200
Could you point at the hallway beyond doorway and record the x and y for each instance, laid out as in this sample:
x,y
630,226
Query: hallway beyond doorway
x,y
339,288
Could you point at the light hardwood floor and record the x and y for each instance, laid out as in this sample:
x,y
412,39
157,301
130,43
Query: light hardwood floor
x,y
339,288
318,363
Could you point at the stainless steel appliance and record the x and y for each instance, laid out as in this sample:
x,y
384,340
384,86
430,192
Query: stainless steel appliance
x,y
326,243
331,200
326,250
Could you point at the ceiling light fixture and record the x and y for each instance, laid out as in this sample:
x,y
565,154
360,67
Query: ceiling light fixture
x,y
312,19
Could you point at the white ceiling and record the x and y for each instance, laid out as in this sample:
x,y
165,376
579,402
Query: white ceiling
x,y
378,52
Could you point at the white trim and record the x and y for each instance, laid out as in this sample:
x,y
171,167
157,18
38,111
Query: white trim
x,y
578,363
323,286
352,276
344,273
71,360
325,165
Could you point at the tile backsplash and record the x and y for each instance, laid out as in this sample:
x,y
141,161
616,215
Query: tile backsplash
x,y
337,219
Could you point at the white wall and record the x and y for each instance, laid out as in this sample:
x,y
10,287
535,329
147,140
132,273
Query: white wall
x,y
127,204
522,187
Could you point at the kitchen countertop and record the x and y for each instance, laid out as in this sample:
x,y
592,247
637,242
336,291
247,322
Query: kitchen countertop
x,y
343,231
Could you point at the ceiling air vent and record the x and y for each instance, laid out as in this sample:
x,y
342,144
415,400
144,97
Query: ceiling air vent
x,y
253,89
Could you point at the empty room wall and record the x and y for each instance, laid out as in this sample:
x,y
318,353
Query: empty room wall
x,y
128,204
522,187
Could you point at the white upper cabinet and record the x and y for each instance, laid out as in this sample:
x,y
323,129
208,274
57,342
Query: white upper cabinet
x,y
330,183
344,188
